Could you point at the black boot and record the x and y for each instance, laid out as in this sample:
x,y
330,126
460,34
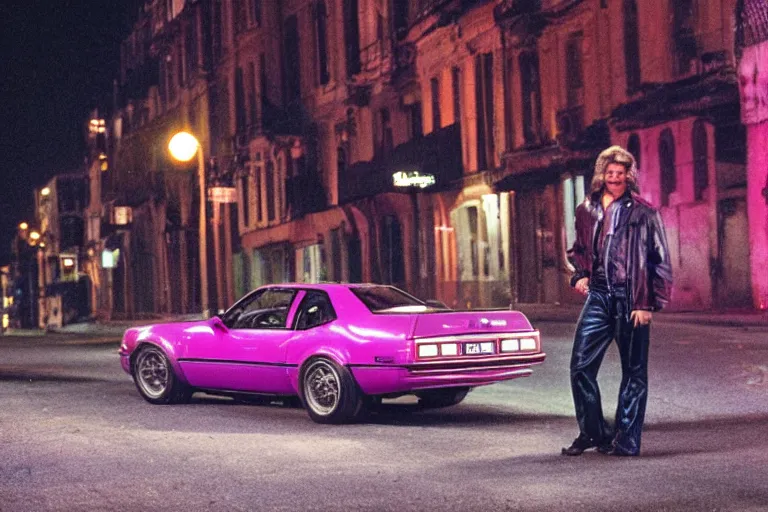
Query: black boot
x,y
583,443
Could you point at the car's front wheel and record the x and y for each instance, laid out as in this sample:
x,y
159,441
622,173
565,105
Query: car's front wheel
x,y
155,379
444,397
329,392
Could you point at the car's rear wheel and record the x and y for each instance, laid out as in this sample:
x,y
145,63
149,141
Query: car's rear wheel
x,y
329,392
155,379
444,397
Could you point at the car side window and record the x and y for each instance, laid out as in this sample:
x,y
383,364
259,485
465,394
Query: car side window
x,y
316,309
262,310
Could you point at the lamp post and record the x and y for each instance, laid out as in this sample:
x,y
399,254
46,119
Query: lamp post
x,y
183,146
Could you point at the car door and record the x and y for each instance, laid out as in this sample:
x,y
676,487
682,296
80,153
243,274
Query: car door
x,y
248,352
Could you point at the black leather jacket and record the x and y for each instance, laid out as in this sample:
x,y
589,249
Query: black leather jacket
x,y
639,237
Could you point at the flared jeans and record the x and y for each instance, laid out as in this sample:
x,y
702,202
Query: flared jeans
x,y
604,318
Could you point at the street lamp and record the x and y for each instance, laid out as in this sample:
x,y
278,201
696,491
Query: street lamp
x,y
183,146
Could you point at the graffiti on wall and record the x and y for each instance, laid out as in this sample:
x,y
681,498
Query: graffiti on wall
x,y
753,83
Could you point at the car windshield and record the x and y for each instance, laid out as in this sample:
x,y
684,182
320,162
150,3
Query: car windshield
x,y
381,299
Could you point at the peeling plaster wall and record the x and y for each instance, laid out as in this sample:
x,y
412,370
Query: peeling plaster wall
x,y
691,226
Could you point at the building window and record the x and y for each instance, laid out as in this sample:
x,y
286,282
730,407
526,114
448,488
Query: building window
x,y
239,16
291,62
384,138
252,108
341,160
270,190
631,45
392,251
415,128
258,196
574,73
456,89
667,165
573,196
633,146
216,28
700,160
321,28
240,108
256,12
310,264
530,83
400,9
509,124
245,201
352,37
480,239
484,102
434,86
263,80
683,35
190,48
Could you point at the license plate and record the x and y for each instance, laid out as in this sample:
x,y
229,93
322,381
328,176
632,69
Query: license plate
x,y
479,348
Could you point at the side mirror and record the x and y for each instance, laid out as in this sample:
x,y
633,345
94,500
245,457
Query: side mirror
x,y
217,323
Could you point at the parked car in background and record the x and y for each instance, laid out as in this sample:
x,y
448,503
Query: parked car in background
x,y
339,347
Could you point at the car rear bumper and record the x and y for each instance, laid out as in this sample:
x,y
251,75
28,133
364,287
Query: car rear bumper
x,y
383,379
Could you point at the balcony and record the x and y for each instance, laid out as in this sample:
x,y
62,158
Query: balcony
x,y
305,193
437,154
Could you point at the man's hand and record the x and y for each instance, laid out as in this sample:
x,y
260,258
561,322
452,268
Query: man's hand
x,y
640,317
582,285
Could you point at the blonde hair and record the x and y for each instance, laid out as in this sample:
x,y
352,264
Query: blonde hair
x,y
615,155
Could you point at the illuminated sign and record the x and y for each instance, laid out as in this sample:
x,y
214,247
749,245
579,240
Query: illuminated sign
x,y
122,215
109,258
222,195
413,179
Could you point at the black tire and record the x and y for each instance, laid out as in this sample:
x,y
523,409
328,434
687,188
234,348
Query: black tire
x,y
444,397
328,392
155,379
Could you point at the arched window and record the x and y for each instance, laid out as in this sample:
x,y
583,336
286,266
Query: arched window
x,y
633,146
529,78
667,165
700,167
631,45
574,73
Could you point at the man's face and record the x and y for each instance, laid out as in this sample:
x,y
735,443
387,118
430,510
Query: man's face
x,y
615,179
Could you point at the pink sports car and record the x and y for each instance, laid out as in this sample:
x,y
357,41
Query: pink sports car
x,y
339,347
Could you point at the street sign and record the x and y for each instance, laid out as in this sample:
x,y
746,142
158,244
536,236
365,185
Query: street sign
x,y
222,194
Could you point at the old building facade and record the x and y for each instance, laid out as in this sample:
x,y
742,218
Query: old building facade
x,y
438,145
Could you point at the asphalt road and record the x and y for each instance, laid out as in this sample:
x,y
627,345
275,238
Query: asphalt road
x,y
75,435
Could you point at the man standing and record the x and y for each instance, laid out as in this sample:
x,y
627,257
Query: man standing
x,y
622,265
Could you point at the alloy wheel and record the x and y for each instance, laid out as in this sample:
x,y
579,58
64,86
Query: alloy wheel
x,y
321,387
152,372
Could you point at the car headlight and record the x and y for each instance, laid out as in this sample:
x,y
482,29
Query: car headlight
x,y
427,350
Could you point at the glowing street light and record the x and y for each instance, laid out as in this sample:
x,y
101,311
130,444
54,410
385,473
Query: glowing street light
x,y
23,226
45,191
34,236
183,146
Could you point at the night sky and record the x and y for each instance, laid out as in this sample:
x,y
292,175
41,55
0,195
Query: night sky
x,y
57,61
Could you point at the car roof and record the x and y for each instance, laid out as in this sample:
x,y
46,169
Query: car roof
x,y
323,285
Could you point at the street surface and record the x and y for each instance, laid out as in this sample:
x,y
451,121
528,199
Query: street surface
x,y
75,435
